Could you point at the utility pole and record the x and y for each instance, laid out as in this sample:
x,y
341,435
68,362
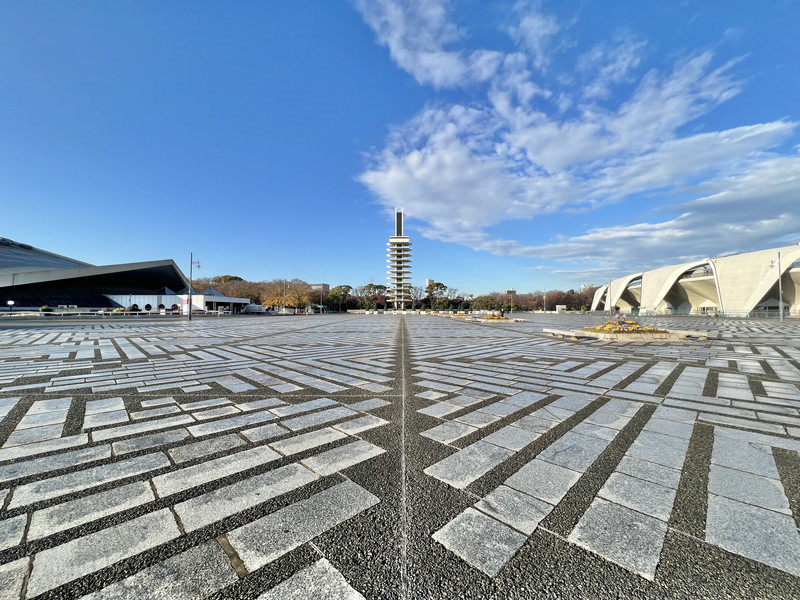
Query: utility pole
x,y
192,263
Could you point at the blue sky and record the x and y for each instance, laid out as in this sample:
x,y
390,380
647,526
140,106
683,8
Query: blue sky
x,y
532,144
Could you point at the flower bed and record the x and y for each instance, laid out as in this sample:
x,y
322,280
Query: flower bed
x,y
623,326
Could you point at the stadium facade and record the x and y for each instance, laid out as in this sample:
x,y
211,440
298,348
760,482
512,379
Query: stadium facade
x,y
739,285
32,278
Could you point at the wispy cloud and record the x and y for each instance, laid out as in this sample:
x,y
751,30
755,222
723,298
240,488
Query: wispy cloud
x,y
418,33
529,149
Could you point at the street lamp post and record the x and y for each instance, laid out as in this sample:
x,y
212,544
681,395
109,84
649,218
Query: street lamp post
x,y
780,284
10,304
192,263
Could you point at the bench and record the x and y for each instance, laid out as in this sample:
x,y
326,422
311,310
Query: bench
x,y
572,335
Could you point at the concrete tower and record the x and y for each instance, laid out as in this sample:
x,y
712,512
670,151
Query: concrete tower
x,y
398,262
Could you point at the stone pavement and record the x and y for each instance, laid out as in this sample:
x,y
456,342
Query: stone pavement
x,y
387,456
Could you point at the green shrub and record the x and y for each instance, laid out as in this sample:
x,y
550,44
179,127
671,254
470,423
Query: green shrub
x,y
45,308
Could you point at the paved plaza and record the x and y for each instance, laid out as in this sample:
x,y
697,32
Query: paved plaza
x,y
389,456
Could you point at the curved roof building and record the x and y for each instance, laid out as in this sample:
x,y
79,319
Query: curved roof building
x,y
32,278
736,285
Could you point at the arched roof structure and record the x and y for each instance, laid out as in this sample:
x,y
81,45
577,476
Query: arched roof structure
x,y
738,284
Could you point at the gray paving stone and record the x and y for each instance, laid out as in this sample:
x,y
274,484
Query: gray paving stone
x,y
105,418
11,531
36,466
356,426
370,404
106,405
553,414
339,458
21,437
188,452
535,424
675,414
744,456
746,423
42,418
567,403
764,492
163,438
264,432
157,402
18,452
293,409
53,404
154,412
306,441
189,477
598,431
256,404
763,535
318,418
250,418
625,408
514,508
511,437
468,464
500,409
201,404
213,413
47,489
191,575
477,419
467,400
430,395
524,399
659,448
320,580
270,537
136,428
623,536
449,432
66,515
543,480
439,409
574,451
12,576
228,500
643,496
642,469
675,428
61,564
482,541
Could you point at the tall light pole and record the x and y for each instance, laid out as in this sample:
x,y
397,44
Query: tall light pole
x,y
780,284
192,263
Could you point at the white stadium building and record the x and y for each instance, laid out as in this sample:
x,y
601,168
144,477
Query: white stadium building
x,y
738,285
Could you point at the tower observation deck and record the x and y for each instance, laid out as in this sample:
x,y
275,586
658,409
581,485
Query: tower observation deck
x,y
398,262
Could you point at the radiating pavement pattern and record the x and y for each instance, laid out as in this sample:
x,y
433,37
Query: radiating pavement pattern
x,y
389,456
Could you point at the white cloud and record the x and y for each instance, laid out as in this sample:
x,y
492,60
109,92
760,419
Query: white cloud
x,y
528,150
416,32
535,32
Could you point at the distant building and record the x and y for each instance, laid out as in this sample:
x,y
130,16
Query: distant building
x,y
398,262
32,278
428,283
736,285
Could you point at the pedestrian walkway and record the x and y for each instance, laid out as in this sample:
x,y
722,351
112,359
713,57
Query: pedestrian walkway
x,y
388,456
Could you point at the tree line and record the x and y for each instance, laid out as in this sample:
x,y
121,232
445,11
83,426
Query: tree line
x,y
298,294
